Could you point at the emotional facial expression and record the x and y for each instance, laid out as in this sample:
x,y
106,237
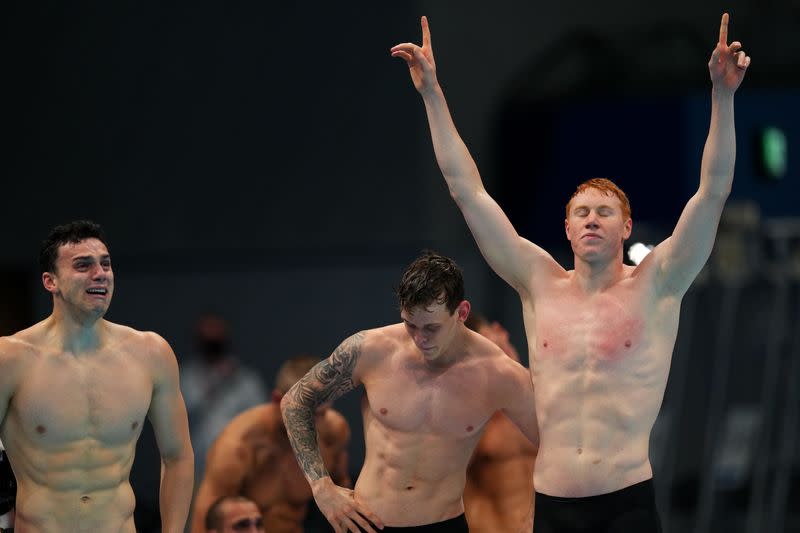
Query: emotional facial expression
x,y
595,225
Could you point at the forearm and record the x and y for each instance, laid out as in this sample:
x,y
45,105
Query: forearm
x,y
299,421
457,166
175,496
719,155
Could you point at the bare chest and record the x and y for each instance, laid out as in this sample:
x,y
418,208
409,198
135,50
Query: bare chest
x,y
62,400
453,405
605,331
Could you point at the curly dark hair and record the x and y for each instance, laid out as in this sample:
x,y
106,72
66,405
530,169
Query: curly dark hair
x,y
74,232
431,278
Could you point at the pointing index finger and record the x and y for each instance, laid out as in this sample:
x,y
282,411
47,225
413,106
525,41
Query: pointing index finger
x,y
723,30
426,33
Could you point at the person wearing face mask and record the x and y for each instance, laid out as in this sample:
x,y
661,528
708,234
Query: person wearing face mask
x,y
216,386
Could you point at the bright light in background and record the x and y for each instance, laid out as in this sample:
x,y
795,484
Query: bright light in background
x,y
773,154
638,251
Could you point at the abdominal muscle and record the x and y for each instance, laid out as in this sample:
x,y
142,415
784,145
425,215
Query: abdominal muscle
x,y
595,427
412,479
40,509
73,489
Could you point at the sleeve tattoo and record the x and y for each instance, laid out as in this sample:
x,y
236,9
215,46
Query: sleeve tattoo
x,y
327,381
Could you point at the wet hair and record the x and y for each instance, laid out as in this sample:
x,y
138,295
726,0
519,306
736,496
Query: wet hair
x,y
293,370
215,518
71,233
475,321
431,278
607,187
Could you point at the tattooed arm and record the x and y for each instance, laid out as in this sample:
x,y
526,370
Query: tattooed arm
x,y
327,381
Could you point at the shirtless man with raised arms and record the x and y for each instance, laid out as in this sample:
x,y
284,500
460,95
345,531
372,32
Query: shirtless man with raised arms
x,y
74,392
430,386
252,457
499,489
600,336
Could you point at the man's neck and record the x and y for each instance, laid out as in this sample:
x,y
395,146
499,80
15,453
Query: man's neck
x,y
597,276
75,335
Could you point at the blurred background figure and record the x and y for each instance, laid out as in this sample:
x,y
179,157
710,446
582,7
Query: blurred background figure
x,y
499,490
252,458
216,386
234,514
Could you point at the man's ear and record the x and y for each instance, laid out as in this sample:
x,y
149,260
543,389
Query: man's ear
x,y
463,310
49,281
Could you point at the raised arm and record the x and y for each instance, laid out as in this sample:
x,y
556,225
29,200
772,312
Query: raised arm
x,y
167,414
511,256
681,257
327,381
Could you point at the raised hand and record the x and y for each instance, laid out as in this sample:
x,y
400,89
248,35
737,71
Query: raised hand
x,y
728,63
342,510
419,59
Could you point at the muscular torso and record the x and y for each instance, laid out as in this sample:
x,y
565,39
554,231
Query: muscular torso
x,y
497,496
420,429
600,364
272,477
71,429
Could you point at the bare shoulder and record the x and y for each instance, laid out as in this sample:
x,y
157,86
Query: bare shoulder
x,y
261,421
383,339
493,361
15,352
369,348
146,343
546,269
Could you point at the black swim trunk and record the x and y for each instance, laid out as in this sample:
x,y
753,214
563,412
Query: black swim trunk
x,y
453,525
627,510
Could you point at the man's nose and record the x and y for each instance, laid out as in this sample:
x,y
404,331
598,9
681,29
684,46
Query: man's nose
x,y
98,272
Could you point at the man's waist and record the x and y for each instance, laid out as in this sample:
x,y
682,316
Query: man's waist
x,y
576,478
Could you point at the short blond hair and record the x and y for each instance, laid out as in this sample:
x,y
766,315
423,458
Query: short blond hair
x,y
293,370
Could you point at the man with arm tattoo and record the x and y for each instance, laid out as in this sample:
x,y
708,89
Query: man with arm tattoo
x,y
601,335
430,386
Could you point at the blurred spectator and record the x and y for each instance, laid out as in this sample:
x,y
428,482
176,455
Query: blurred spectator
x,y
234,514
499,491
252,457
216,386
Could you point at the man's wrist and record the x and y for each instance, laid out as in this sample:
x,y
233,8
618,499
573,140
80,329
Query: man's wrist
x,y
432,92
320,484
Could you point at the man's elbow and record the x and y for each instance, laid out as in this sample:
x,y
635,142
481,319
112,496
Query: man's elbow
x,y
183,455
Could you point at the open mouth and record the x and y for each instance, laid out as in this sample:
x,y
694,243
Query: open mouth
x,y
97,291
